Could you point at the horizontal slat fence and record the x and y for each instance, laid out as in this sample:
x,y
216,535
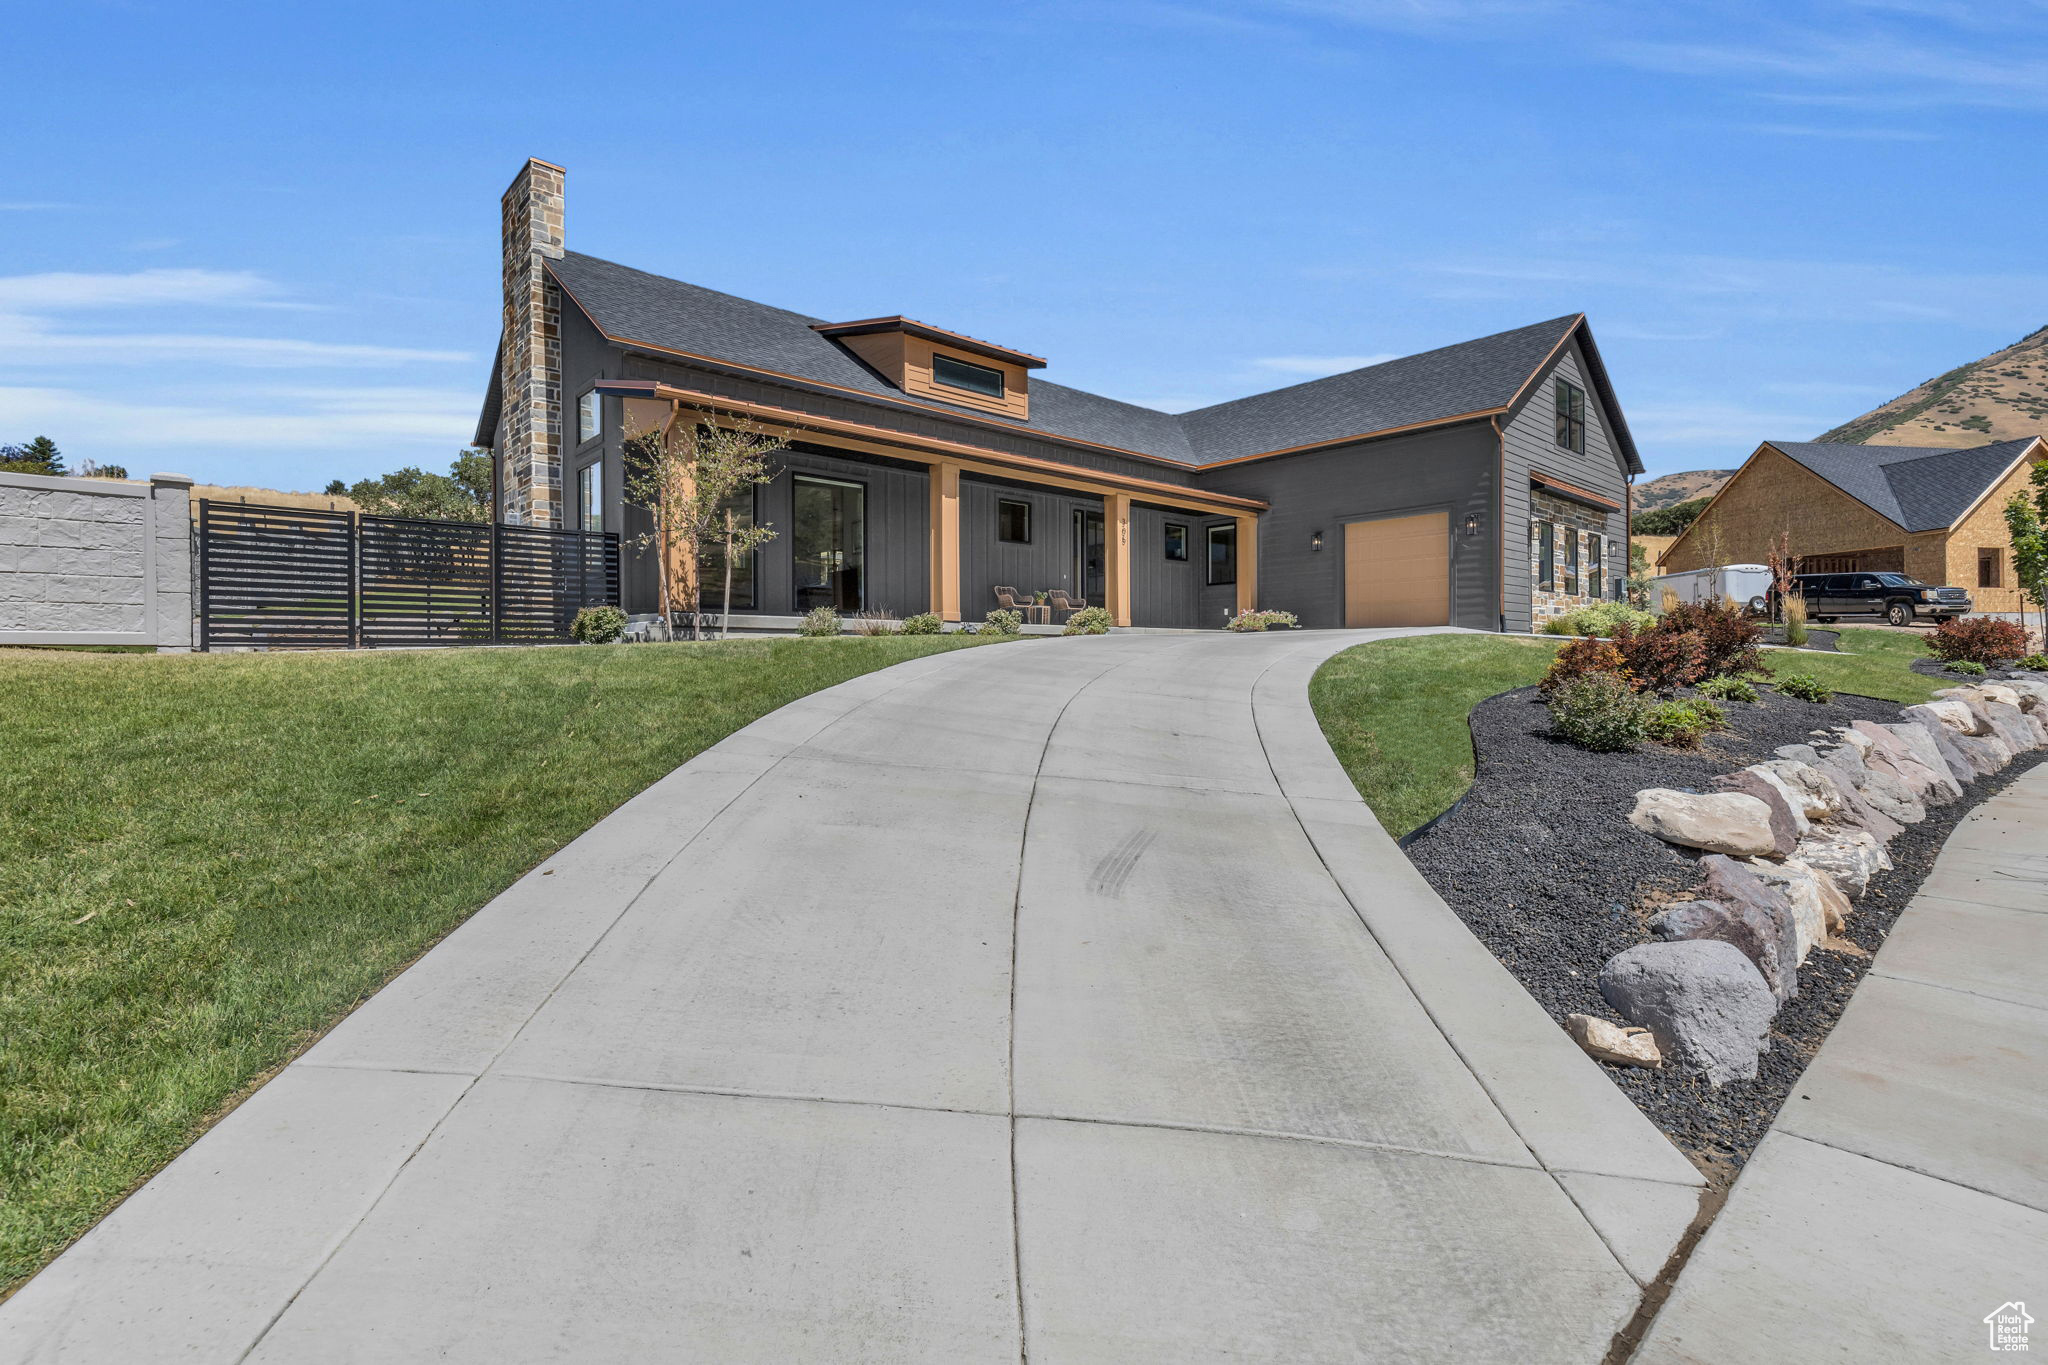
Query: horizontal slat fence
x,y
303,578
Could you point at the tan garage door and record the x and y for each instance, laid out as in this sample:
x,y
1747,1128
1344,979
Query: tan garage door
x,y
1397,571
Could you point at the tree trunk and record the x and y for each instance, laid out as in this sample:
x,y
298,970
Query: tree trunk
x,y
725,609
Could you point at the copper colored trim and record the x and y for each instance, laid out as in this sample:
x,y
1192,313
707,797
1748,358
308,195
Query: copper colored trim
x,y
1578,321
934,445
899,323
1573,491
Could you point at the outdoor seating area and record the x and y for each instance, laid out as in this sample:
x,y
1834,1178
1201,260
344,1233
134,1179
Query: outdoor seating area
x,y
1050,607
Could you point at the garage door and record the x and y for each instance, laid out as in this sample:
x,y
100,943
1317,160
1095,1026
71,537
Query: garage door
x,y
1397,571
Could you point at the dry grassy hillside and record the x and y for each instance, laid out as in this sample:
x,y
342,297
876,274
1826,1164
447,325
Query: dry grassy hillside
x,y
1668,490
2002,397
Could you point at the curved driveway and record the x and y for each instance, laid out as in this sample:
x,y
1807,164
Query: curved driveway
x,y
1057,1001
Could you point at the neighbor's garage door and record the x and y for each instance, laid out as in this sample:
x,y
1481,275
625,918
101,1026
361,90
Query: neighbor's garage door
x,y
1397,571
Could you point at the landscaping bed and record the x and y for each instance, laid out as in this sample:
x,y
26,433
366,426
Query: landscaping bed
x,y
1540,861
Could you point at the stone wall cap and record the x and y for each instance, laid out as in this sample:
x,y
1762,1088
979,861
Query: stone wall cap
x,y
172,480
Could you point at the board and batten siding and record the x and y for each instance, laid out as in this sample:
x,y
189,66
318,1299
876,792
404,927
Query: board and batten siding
x,y
1044,563
1529,445
1449,469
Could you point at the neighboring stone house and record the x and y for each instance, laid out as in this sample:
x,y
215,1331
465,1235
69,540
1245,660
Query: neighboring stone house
x,y
1936,514
1483,484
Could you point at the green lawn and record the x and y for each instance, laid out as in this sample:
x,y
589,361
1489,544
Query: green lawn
x,y
1394,711
206,860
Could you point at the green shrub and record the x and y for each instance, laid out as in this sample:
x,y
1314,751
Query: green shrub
x,y
1262,620
1002,621
1805,687
1683,724
1730,642
1605,618
1598,711
1088,621
598,625
1969,667
819,621
1584,658
1725,688
1978,639
2035,663
924,623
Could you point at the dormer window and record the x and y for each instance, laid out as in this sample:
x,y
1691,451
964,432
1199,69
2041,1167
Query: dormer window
x,y
931,362
959,374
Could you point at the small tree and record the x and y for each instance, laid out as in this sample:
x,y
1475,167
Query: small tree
x,y
685,474
2024,521
1638,583
462,494
39,456
1784,567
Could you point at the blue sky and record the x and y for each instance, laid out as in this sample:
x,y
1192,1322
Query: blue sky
x,y
257,243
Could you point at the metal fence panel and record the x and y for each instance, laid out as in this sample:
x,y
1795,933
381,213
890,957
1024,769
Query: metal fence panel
x,y
298,578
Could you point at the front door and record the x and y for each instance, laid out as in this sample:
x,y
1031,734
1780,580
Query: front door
x,y
1397,571
829,543
1088,555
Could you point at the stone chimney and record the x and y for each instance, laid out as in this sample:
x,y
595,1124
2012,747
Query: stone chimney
x,y
530,449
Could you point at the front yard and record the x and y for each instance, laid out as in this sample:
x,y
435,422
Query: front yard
x,y
207,860
1394,710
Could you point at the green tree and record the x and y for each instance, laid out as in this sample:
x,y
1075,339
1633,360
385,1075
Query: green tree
x,y
2026,519
335,489
462,494
39,456
1669,521
685,474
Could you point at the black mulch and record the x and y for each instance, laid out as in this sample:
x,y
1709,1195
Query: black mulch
x,y
1541,863
1935,668
1828,640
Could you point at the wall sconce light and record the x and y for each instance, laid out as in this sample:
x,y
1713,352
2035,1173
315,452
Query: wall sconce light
x,y
1471,525
1315,540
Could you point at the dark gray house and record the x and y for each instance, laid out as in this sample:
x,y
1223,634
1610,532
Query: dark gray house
x,y
1484,484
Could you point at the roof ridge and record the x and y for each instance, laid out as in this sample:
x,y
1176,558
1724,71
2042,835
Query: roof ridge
x,y
806,318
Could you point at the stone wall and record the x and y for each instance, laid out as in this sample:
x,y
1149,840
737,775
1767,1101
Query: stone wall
x,y
96,561
1573,521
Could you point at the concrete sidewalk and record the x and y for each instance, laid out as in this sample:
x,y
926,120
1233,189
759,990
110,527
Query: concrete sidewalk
x,y
1060,996
1902,1194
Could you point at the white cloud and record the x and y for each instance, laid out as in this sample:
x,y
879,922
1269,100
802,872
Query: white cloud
x,y
117,426
25,340
1316,366
1735,428
60,290
1842,134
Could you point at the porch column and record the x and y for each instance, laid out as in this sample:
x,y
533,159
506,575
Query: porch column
x,y
1116,544
945,541
1247,564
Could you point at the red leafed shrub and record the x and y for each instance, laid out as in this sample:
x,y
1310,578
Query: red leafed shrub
x,y
1579,658
1977,640
1660,660
1730,641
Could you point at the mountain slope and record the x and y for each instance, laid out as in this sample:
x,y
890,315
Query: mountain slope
x,y
1668,490
2002,397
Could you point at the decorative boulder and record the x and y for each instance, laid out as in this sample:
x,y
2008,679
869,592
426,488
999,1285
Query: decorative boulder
x,y
1788,821
2033,695
2020,731
1881,791
1798,753
1945,739
1849,856
1719,822
1954,714
1740,908
1613,1043
1980,755
1922,769
1703,1001
1820,797
1800,884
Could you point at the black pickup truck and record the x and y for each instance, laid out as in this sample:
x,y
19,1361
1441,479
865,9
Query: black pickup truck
x,y
1896,597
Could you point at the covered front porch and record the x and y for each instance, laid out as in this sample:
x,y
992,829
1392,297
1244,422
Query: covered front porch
x,y
870,521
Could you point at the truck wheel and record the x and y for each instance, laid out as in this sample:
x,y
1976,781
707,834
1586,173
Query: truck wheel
x,y
1899,613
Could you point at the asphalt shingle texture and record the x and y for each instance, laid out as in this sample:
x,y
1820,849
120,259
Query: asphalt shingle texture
x,y
1922,488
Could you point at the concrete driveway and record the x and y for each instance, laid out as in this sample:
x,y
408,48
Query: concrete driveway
x,y
1058,999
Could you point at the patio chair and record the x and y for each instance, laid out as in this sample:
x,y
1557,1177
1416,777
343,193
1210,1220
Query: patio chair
x,y
1010,599
1061,602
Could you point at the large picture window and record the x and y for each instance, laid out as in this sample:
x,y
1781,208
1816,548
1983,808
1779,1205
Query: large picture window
x,y
1222,554
828,542
741,505
1571,416
590,497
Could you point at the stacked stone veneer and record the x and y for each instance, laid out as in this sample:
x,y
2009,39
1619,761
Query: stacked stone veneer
x,y
530,430
1571,520
95,561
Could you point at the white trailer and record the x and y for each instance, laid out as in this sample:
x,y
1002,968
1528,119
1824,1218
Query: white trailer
x,y
1746,585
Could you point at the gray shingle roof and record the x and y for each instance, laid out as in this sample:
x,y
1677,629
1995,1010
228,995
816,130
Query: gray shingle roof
x,y
1922,488
633,306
